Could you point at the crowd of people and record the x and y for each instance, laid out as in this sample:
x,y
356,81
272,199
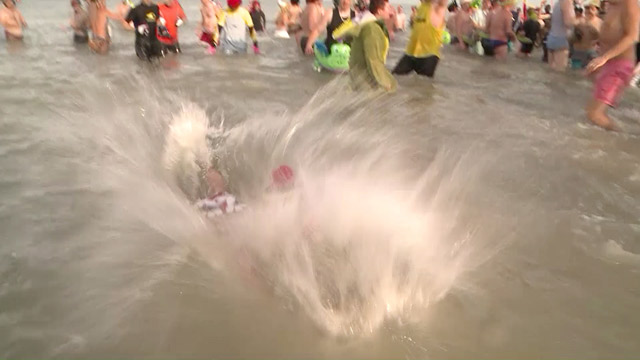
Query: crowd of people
x,y
600,38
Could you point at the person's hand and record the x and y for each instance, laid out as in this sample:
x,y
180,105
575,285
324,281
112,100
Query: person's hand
x,y
308,49
596,64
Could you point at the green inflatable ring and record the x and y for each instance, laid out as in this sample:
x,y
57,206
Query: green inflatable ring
x,y
337,61
446,37
524,39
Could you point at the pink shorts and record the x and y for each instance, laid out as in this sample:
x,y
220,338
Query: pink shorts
x,y
613,78
207,38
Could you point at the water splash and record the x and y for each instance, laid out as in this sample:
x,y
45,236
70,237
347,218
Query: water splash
x,y
372,230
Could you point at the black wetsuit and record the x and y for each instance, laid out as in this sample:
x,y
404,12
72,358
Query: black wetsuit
x,y
147,44
335,23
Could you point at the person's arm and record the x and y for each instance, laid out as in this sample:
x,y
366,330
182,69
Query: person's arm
x,y
487,25
508,29
181,15
568,13
252,31
458,26
129,17
374,54
438,11
630,23
113,15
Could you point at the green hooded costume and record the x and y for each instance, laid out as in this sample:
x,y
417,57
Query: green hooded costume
x,y
368,55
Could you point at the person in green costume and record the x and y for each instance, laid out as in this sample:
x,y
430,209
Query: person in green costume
x,y
369,50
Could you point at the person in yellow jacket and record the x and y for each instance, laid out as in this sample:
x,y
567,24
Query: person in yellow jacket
x,y
369,48
423,50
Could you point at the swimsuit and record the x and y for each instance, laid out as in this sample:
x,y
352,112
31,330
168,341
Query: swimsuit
x,y
557,38
490,45
557,42
581,58
612,79
303,43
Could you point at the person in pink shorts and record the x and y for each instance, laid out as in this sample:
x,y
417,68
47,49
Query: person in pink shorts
x,y
618,36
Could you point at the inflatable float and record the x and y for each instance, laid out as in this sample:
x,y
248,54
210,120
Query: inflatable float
x,y
337,61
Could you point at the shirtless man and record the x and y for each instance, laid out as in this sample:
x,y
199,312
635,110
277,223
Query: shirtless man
x,y
79,23
585,38
209,24
499,28
12,21
122,10
618,36
464,25
312,21
99,16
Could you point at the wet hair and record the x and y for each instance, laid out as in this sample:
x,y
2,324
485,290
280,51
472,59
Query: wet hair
x,y
578,10
547,9
452,7
376,5
295,2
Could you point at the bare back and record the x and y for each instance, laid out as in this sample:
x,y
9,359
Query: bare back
x,y
499,24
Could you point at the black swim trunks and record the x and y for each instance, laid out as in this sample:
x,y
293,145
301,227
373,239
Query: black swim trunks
x,y
526,48
303,43
422,66
490,45
80,38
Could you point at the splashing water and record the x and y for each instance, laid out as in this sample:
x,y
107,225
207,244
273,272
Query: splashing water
x,y
359,240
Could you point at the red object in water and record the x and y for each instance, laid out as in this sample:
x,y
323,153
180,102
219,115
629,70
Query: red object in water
x,y
282,177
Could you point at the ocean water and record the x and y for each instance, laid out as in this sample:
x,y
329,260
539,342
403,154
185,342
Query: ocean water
x,y
477,215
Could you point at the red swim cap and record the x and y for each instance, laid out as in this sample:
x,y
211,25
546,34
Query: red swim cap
x,y
282,176
234,3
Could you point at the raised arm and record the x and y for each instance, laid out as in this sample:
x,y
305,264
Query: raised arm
x,y
568,13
